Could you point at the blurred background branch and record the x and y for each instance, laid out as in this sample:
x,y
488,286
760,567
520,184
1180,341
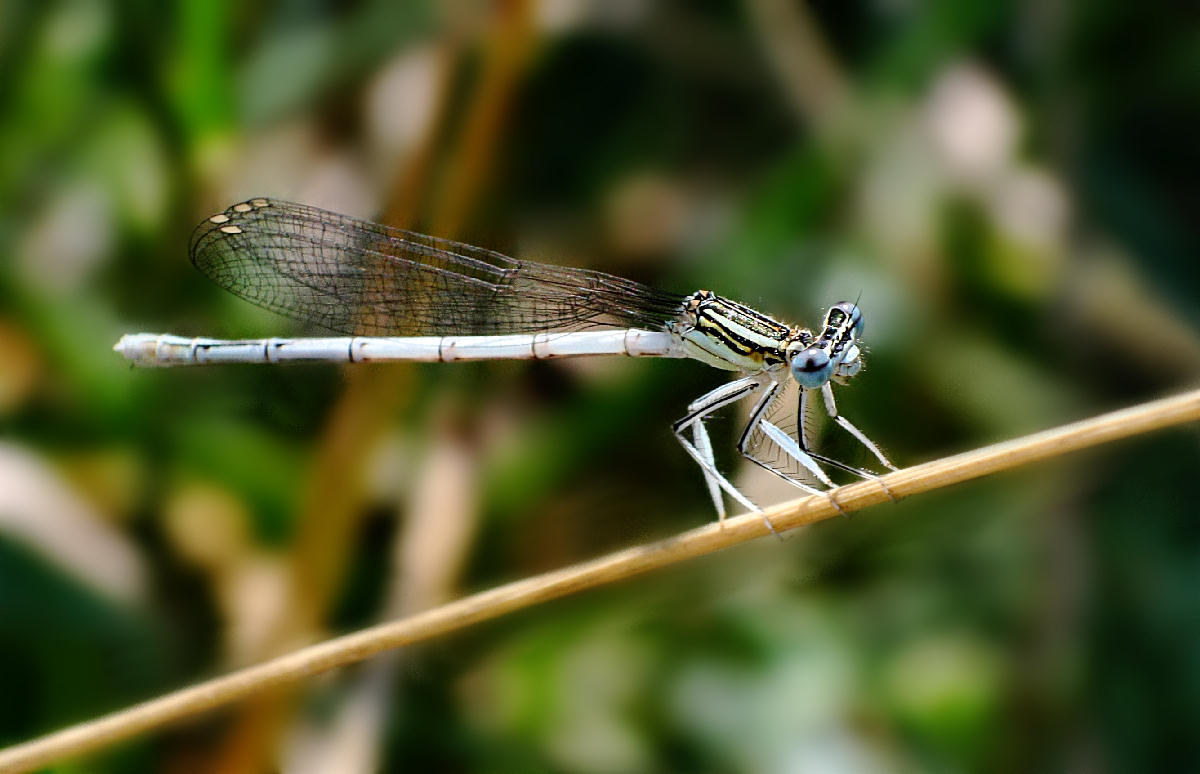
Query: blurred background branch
x,y
441,528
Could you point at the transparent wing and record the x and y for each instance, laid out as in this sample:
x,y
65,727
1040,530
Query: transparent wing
x,y
356,277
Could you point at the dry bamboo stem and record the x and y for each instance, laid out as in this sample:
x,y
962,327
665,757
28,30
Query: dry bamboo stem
x,y
340,651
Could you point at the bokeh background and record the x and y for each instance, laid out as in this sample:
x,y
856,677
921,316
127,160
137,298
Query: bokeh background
x,y
1010,188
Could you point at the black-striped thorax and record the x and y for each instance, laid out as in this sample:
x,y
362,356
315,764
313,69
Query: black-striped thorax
x,y
732,336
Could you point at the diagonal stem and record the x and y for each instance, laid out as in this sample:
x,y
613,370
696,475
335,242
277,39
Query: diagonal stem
x,y
340,651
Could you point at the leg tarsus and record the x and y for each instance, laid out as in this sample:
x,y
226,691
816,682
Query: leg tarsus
x,y
771,528
848,426
836,506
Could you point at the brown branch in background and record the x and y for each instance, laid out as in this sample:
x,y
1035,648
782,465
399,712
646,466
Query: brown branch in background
x,y
487,605
810,76
335,493
508,51
441,520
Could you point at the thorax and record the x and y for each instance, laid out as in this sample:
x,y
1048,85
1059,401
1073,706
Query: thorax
x,y
731,336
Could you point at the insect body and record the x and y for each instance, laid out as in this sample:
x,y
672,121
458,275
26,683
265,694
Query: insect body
x,y
398,295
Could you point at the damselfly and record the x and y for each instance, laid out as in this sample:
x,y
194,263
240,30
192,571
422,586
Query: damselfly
x,y
398,295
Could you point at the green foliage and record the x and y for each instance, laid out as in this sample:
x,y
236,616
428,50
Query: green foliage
x,y
1010,192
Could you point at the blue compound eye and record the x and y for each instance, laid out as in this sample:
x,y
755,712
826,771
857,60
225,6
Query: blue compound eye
x,y
811,367
840,312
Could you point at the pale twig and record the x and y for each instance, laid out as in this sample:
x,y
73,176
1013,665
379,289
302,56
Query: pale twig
x,y
340,651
